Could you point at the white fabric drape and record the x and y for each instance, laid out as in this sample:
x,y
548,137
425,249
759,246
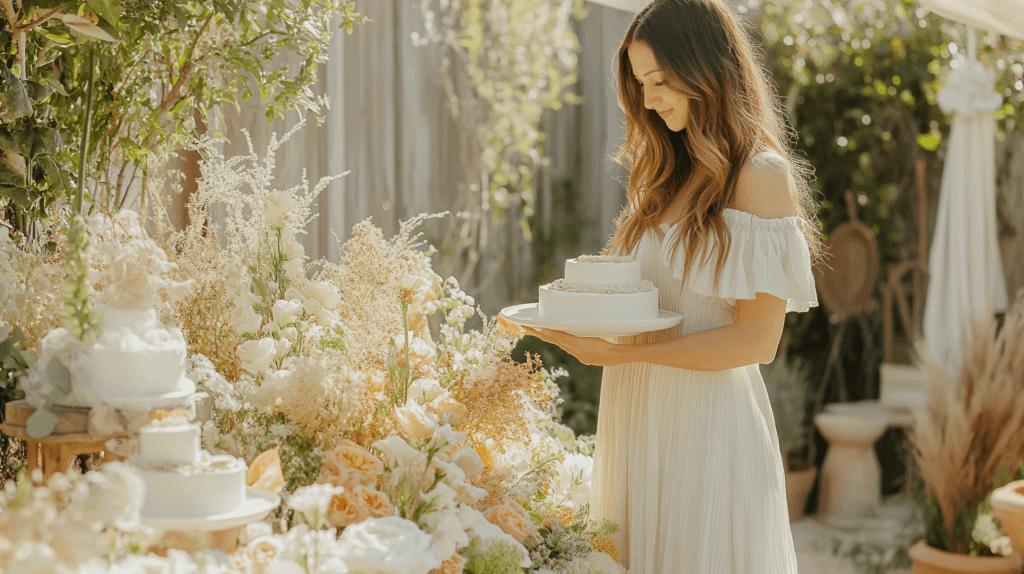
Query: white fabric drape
x,y
1001,16
965,265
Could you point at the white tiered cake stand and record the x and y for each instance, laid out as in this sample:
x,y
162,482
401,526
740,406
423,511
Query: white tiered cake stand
x,y
528,315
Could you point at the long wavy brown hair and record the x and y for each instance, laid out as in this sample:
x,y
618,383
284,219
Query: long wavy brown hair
x,y
733,116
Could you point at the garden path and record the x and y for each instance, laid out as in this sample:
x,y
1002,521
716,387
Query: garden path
x,y
822,549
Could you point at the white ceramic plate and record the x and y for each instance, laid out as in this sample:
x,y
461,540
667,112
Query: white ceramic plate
x,y
527,315
258,504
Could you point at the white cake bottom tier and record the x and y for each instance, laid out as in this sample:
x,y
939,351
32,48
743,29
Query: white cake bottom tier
x,y
172,494
556,305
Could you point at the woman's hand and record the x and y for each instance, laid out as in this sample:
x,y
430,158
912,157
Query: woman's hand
x,y
587,350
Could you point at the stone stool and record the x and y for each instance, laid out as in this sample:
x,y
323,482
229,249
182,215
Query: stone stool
x,y
851,478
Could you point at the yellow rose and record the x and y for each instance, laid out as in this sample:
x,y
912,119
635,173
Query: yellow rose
x,y
345,509
514,520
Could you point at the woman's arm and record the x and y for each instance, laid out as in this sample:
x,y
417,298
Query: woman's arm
x,y
752,338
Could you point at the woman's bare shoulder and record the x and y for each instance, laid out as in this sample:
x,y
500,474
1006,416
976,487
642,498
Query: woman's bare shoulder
x,y
765,187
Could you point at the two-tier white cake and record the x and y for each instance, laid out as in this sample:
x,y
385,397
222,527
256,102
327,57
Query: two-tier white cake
x,y
136,363
182,480
603,288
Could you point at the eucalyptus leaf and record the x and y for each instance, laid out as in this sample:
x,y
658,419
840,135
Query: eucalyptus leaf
x,y
58,375
56,397
13,94
41,423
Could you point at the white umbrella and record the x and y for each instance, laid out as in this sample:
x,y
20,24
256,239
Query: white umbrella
x,y
965,268
1000,16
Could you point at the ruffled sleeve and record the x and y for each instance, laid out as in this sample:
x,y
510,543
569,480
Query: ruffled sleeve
x,y
765,256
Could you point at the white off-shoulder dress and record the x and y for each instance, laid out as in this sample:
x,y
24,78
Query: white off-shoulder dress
x,y
687,462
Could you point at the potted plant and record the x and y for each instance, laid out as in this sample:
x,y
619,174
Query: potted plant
x,y
965,443
786,382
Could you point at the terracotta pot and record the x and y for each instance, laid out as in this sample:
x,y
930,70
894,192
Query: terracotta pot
x,y
1008,508
928,560
798,488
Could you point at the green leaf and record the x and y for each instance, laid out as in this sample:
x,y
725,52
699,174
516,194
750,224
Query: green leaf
x,y
19,195
110,11
13,95
38,92
929,141
59,35
58,375
41,423
57,86
5,348
9,177
55,175
132,150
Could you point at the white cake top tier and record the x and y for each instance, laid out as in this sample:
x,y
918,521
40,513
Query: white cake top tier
x,y
602,270
171,441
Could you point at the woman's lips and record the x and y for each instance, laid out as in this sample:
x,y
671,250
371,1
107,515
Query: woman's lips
x,y
665,114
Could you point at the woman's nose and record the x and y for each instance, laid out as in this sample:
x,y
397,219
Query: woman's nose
x,y
649,101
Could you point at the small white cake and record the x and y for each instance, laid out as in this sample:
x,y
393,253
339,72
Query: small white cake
x,y
136,362
183,480
602,288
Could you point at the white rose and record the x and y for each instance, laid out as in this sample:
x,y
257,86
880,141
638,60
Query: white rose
x,y
312,502
285,312
243,316
389,545
414,420
468,460
274,385
400,457
573,479
414,283
425,390
276,210
323,292
257,355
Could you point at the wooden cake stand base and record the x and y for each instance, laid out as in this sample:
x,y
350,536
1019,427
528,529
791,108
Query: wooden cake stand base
x,y
69,438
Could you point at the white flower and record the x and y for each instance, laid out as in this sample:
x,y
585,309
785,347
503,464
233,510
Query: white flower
x,y
594,563
257,355
468,460
285,312
279,205
31,557
414,420
274,385
243,317
425,390
312,502
573,482
389,545
116,498
323,292
1001,545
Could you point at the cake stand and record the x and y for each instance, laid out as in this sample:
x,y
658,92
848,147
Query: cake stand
x,y
257,506
218,531
527,315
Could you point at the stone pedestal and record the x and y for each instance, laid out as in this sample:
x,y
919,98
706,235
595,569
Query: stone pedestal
x,y
851,478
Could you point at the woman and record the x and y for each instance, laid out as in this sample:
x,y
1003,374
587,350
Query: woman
x,y
687,459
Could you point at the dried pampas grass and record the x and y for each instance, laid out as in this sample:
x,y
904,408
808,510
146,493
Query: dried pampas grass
x,y
973,429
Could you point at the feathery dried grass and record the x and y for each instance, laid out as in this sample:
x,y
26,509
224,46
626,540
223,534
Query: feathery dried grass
x,y
974,426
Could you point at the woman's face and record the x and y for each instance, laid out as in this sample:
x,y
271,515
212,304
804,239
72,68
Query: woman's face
x,y
672,106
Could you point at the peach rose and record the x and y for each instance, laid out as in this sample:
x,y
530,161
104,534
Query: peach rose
x,y
349,464
374,501
345,509
514,520
454,565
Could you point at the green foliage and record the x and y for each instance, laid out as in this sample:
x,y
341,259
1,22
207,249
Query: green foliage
x,y
496,557
859,81
175,63
519,59
78,317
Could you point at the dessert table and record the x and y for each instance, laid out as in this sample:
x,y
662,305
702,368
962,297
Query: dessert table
x,y
70,438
